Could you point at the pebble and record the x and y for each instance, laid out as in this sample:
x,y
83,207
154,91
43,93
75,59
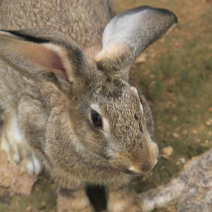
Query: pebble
x,y
141,59
209,122
175,135
166,152
182,160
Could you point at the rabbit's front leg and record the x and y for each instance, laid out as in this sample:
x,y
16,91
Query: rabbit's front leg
x,y
17,149
73,200
122,199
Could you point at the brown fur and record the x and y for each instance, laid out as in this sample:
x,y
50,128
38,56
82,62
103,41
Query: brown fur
x,y
75,18
52,102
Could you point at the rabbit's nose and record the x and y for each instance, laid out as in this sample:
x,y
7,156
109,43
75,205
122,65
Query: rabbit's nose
x,y
149,159
148,166
155,151
144,168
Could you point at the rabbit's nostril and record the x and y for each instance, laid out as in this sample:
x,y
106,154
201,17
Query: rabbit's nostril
x,y
146,167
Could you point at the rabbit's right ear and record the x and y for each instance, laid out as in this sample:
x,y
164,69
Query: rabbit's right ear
x,y
130,33
45,55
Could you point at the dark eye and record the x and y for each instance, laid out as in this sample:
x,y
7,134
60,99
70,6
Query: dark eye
x,y
96,119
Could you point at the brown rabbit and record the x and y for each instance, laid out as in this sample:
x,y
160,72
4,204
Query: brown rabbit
x,y
66,100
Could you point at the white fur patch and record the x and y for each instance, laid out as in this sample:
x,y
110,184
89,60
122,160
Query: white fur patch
x,y
111,51
106,125
117,206
4,144
148,205
37,165
7,34
29,167
17,149
142,110
170,29
16,158
136,93
148,136
132,168
15,132
134,90
96,108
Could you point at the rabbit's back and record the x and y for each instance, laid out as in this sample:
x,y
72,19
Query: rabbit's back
x,y
82,20
13,87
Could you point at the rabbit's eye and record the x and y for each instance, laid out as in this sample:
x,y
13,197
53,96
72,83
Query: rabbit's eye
x,y
96,119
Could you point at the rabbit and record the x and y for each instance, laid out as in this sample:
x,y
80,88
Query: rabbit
x,y
66,101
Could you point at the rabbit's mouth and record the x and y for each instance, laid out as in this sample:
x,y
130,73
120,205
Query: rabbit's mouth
x,y
131,172
130,164
134,171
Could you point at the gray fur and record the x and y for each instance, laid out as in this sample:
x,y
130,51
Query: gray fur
x,y
133,30
53,103
74,18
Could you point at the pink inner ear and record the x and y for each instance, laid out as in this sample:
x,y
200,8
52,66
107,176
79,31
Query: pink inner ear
x,y
44,57
56,64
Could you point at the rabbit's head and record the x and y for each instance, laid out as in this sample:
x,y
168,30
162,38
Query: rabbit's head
x,y
115,123
109,117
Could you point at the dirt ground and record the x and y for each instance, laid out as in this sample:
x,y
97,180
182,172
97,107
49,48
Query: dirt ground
x,y
175,74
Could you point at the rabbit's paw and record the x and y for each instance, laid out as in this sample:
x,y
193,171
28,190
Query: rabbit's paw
x,y
86,209
73,200
72,205
130,206
123,199
17,150
31,165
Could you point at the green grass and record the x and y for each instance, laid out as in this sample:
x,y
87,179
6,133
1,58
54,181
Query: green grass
x,y
178,84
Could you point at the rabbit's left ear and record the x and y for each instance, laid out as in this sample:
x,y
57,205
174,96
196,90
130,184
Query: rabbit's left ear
x,y
129,33
45,55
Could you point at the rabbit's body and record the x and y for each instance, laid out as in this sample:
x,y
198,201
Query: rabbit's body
x,y
11,95
84,21
70,107
76,19
33,106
